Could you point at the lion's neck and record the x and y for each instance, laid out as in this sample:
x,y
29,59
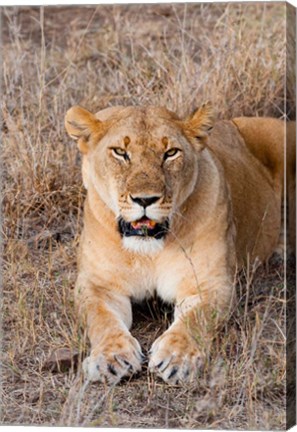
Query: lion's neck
x,y
99,216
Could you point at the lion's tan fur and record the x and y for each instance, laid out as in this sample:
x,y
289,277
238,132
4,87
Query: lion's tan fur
x,y
224,202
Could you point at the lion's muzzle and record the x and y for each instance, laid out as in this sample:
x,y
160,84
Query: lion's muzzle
x,y
146,222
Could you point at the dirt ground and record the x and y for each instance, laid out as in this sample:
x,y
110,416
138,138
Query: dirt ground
x,y
173,55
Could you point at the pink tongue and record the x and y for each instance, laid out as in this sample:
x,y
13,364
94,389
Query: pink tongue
x,y
148,223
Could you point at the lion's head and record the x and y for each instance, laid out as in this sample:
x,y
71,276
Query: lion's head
x,y
142,161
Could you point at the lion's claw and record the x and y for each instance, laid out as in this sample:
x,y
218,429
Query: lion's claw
x,y
111,367
173,361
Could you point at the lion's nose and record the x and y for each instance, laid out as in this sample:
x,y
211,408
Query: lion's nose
x,y
145,201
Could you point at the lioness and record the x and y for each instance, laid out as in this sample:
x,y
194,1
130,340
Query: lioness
x,y
173,208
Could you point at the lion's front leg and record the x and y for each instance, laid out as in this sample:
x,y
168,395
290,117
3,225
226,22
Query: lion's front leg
x,y
115,353
179,352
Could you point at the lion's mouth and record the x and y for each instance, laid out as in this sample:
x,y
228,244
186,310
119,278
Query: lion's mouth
x,y
143,227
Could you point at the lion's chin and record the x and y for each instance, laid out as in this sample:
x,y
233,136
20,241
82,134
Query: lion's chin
x,y
143,245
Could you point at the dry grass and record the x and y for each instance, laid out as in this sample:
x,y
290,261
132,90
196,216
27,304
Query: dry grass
x,y
178,56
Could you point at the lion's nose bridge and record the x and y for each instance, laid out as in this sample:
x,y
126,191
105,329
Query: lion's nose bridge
x,y
146,184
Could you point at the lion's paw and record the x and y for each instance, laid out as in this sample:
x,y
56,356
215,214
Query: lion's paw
x,y
111,362
175,358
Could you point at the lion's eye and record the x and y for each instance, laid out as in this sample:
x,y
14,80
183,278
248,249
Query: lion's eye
x,y
119,152
172,153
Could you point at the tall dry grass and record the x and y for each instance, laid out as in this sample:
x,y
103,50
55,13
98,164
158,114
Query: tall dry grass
x,y
173,55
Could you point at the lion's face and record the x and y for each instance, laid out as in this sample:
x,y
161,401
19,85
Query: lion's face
x,y
143,165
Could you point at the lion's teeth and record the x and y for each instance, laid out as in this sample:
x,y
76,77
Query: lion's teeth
x,y
146,223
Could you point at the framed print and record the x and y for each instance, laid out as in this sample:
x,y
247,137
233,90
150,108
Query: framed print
x,y
148,215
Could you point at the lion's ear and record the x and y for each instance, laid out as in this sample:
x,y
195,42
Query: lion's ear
x,y
80,125
199,124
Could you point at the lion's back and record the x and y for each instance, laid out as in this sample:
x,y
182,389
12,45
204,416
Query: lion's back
x,y
255,196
